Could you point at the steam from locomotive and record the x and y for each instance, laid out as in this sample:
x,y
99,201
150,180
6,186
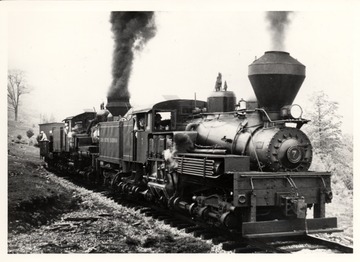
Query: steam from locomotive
x,y
279,21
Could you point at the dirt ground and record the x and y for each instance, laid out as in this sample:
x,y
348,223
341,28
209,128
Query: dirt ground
x,y
33,199
48,214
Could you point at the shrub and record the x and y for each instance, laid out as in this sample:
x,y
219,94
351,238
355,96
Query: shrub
x,y
19,137
30,133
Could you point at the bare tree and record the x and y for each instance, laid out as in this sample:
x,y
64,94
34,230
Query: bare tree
x,y
16,87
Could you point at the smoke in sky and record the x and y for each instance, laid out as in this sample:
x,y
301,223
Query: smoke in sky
x,y
131,32
279,22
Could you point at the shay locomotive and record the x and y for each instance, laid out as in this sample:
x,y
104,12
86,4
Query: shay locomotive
x,y
241,166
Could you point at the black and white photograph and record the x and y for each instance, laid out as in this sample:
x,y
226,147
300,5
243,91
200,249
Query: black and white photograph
x,y
179,127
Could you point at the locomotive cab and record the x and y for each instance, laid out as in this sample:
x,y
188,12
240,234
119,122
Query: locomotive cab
x,y
75,134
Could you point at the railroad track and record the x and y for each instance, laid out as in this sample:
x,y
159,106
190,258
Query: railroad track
x,y
231,241
297,244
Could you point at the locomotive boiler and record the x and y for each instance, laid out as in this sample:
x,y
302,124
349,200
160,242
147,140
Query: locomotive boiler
x,y
241,166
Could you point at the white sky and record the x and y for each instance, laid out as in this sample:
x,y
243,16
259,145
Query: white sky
x,y
67,54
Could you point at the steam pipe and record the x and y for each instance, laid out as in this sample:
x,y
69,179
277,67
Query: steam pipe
x,y
210,151
191,126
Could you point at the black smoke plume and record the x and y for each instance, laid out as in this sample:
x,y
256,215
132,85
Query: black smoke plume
x,y
278,24
131,32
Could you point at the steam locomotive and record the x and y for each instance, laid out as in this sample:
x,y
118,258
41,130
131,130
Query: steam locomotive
x,y
242,166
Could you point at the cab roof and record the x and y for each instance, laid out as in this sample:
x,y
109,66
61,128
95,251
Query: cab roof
x,y
168,104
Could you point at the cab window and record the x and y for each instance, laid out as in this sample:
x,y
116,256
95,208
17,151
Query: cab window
x,y
162,120
141,121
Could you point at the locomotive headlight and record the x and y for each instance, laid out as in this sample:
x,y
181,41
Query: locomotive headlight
x,y
291,111
296,111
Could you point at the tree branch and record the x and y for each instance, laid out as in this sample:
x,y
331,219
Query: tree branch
x,y
16,88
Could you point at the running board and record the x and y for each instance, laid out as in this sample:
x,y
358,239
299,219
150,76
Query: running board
x,y
293,227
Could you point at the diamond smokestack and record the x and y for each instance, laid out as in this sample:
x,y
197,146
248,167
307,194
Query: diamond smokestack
x,y
131,32
276,78
118,106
